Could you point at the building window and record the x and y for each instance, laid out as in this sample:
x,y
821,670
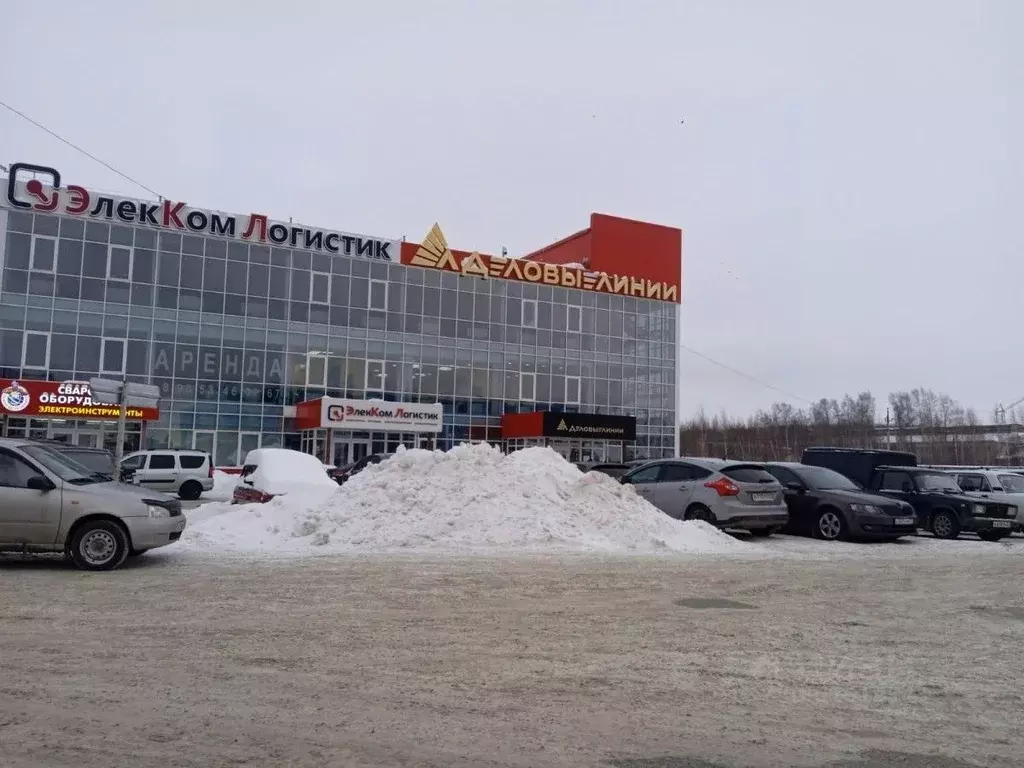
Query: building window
x,y
43,257
320,288
119,263
316,371
35,351
374,375
572,389
527,385
378,294
112,356
529,313
574,319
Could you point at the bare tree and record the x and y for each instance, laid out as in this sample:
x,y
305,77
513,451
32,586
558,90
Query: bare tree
x,y
932,425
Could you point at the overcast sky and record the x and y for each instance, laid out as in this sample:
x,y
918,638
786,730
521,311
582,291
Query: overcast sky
x,y
847,175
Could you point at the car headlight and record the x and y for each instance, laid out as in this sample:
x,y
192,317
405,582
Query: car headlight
x,y
155,511
867,509
979,509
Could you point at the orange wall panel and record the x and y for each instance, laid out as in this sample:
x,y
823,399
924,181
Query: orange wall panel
x,y
307,414
636,248
522,425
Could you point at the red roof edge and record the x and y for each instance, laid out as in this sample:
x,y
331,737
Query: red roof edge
x,y
558,244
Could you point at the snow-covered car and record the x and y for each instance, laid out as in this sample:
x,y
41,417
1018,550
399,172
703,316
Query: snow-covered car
x,y
270,472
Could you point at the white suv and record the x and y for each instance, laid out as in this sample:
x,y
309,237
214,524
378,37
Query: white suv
x,y
185,473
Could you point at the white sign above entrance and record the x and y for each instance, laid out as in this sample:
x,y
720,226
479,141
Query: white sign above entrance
x,y
380,416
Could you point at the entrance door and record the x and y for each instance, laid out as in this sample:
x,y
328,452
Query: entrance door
x,y
89,439
340,453
354,450
204,441
358,449
247,441
349,451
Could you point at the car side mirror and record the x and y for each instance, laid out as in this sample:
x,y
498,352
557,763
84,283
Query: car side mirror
x,y
797,487
40,483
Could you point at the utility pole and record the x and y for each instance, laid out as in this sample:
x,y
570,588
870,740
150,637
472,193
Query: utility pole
x,y
122,423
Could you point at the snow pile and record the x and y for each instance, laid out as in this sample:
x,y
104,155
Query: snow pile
x,y
223,486
472,499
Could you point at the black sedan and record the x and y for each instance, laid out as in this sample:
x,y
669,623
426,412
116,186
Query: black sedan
x,y
342,475
827,505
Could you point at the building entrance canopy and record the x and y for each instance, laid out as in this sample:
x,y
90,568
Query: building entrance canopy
x,y
369,415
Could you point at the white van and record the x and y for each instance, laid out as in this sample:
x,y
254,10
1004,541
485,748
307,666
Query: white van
x,y
185,473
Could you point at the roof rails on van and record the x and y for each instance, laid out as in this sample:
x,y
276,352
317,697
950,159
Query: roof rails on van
x,y
172,450
859,451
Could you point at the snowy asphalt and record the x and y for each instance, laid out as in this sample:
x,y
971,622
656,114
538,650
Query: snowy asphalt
x,y
851,656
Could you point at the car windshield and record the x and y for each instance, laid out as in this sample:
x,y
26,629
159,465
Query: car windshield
x,y
1012,483
66,469
826,479
936,481
96,461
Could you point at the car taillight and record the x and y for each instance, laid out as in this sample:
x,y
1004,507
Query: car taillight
x,y
724,486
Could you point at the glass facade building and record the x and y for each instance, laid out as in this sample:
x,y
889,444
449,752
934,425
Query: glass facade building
x,y
238,332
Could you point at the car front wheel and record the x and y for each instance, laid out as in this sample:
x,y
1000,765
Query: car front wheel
x,y
99,545
945,525
830,525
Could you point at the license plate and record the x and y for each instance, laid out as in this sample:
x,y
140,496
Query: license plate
x,y
763,496
904,521
1000,523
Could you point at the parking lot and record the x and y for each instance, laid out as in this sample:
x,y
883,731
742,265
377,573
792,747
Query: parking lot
x,y
900,655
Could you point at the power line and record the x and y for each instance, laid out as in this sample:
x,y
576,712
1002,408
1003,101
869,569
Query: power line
x,y
77,148
745,375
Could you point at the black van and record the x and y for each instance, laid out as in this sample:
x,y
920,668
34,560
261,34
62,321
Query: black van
x,y
858,464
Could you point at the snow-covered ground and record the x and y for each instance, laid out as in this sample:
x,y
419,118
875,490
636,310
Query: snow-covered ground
x,y
476,500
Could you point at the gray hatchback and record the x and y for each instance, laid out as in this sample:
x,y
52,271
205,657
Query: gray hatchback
x,y
729,494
